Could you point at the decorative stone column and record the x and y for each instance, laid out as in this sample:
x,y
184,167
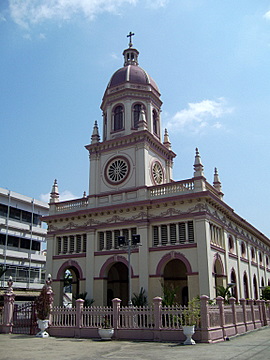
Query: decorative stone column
x,y
116,309
9,298
205,321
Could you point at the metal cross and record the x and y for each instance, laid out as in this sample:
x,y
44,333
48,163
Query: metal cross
x,y
130,38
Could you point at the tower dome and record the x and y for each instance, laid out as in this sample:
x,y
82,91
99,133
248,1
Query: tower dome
x,y
131,101
131,72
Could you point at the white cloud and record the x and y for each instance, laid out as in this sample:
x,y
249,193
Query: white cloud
x,y
30,12
2,18
267,15
197,117
63,196
156,3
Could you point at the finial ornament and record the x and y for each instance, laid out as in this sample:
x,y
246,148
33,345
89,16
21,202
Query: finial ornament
x,y
217,182
130,38
54,193
166,141
95,138
198,166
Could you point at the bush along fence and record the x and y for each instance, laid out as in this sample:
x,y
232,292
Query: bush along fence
x,y
153,323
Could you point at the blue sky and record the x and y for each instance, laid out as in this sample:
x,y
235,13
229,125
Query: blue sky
x,y
210,59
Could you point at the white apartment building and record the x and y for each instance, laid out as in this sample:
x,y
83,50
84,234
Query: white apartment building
x,y
22,234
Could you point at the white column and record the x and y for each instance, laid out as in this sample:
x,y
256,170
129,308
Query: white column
x,y
205,260
90,264
143,230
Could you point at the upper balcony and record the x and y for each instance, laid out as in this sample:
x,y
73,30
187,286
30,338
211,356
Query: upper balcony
x,y
168,190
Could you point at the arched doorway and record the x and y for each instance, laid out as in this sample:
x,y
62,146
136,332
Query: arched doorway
x,y
218,273
175,277
69,276
70,286
255,287
234,287
117,283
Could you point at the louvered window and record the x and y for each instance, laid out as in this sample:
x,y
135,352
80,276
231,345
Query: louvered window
x,y
182,232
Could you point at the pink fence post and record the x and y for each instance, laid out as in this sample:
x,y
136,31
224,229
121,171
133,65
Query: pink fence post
x,y
205,321
267,311
116,312
251,303
9,298
157,311
232,301
262,312
79,308
243,304
220,303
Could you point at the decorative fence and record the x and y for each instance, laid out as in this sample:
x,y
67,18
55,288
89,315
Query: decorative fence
x,y
155,323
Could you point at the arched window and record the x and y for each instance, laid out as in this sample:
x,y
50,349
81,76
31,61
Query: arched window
x,y
255,287
234,287
243,249
260,257
118,118
136,115
245,283
155,122
252,254
231,244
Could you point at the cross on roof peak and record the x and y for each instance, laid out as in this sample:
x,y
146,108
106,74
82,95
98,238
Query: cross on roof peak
x,y
130,38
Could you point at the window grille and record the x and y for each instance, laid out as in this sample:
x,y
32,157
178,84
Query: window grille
x,y
72,245
65,245
78,243
172,233
59,245
164,235
108,240
190,231
101,240
155,236
182,232
84,242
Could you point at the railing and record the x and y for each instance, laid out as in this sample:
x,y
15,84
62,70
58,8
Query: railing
x,y
63,317
217,322
185,186
71,205
172,188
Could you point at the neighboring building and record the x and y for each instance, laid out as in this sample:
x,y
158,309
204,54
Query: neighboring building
x,y
22,234
190,238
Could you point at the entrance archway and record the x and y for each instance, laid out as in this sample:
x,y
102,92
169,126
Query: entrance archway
x,y
234,288
69,276
175,277
218,272
117,283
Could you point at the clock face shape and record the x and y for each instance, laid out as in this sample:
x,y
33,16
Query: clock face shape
x,y
117,170
157,173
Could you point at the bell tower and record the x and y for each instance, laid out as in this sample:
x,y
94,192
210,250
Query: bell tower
x,y
131,154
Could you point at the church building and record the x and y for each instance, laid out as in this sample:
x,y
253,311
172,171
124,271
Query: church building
x,y
140,229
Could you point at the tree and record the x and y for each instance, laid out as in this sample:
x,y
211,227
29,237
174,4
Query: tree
x,y
266,293
224,292
140,299
87,302
169,294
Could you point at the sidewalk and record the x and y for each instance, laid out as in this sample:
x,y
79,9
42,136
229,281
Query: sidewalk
x,y
254,345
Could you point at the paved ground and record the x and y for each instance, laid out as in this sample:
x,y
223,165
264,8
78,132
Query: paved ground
x,y
254,345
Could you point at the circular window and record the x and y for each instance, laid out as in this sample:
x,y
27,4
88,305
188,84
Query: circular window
x,y
157,172
117,170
